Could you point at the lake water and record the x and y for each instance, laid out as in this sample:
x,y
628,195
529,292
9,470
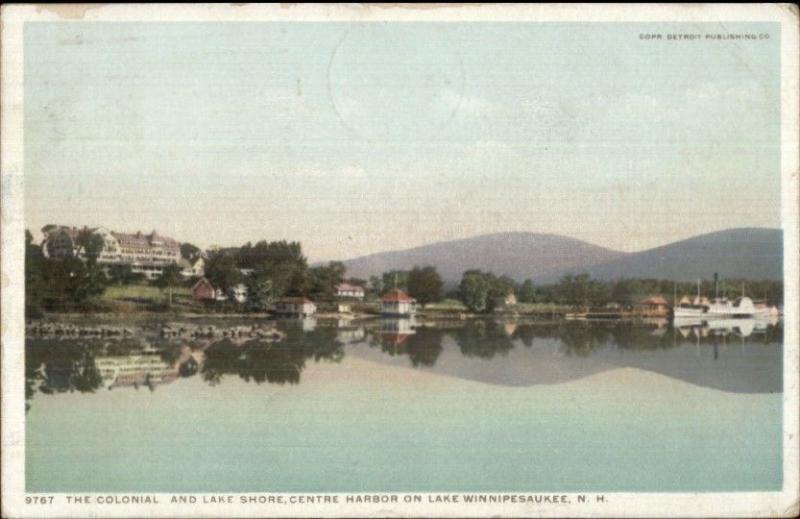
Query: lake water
x,y
402,406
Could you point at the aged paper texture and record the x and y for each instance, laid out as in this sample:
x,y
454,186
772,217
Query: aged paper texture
x,y
399,260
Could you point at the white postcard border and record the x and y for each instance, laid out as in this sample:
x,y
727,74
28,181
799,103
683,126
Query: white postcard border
x,y
784,503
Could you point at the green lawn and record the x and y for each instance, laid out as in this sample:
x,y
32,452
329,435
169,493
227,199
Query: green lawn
x,y
140,297
141,292
447,305
541,308
454,305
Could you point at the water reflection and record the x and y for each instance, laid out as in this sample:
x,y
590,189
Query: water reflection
x,y
278,362
484,339
405,337
495,352
136,369
66,368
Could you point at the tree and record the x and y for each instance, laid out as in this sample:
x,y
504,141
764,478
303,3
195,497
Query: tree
x,y
527,292
222,272
90,245
69,281
375,285
475,289
394,279
323,280
34,276
622,291
425,285
355,281
503,286
169,278
189,251
259,293
599,293
90,282
280,262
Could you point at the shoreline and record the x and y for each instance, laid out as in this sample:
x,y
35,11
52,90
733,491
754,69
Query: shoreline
x,y
354,318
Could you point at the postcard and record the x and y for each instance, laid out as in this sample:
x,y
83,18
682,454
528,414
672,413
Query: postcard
x,y
390,260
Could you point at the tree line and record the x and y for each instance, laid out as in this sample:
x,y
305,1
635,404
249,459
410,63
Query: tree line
x,y
274,269
271,270
483,292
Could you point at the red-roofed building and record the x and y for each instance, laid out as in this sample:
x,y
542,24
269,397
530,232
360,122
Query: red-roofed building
x,y
203,290
397,302
653,306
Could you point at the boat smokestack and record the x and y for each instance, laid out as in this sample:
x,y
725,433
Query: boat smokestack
x,y
716,285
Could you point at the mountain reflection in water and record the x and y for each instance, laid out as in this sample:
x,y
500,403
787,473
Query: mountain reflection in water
x,y
742,356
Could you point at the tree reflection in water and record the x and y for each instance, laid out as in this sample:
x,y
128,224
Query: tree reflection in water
x,y
423,345
581,340
525,334
273,362
66,365
255,361
483,339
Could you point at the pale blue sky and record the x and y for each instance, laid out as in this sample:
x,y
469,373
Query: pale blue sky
x,y
356,138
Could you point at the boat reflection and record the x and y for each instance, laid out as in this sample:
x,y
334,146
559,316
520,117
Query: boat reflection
x,y
723,327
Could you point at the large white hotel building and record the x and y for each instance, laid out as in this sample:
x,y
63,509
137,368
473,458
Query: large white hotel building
x,y
147,254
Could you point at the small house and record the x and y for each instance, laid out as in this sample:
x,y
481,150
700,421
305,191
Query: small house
x,y
349,290
296,306
653,306
199,267
396,302
203,290
239,293
186,268
505,301
343,308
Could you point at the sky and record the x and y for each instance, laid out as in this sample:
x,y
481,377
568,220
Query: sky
x,y
355,138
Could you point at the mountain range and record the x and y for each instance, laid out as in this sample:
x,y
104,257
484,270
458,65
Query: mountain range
x,y
748,253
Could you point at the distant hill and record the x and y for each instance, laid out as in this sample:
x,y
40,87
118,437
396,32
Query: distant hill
x,y
517,255
750,253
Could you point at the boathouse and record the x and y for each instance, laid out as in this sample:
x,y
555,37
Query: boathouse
x,y
203,290
653,306
397,302
296,306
